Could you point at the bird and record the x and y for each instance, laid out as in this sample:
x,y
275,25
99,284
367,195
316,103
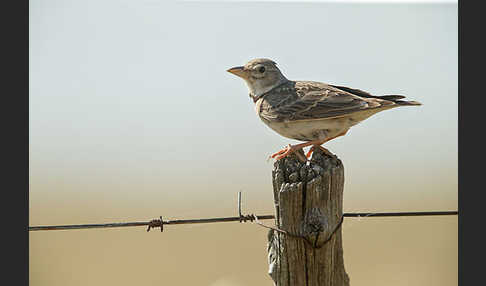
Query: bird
x,y
308,111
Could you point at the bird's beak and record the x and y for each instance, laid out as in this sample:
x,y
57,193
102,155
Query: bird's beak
x,y
239,71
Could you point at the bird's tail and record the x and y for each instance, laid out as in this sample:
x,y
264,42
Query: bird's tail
x,y
396,99
403,102
390,97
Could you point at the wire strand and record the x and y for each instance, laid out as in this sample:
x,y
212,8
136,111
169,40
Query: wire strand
x,y
242,218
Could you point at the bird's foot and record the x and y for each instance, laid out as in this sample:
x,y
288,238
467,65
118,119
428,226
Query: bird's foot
x,y
311,150
287,151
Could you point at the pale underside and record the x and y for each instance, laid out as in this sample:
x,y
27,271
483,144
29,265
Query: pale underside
x,y
322,128
309,111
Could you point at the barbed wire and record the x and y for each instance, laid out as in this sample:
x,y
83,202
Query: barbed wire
x,y
154,223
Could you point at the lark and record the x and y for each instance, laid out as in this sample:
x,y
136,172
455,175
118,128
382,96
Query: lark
x,y
308,111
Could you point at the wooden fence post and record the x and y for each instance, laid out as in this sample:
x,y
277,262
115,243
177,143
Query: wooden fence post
x,y
308,202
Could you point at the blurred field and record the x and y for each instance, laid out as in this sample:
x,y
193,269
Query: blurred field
x,y
414,251
377,251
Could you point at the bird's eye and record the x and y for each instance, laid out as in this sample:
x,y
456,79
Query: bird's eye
x,y
261,69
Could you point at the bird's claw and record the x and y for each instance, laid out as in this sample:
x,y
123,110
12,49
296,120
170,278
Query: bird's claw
x,y
286,152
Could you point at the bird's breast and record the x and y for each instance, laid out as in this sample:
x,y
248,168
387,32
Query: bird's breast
x,y
309,130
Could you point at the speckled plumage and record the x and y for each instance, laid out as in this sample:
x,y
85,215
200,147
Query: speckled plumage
x,y
308,110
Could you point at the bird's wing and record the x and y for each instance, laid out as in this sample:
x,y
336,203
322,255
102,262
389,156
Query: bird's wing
x,y
304,100
365,94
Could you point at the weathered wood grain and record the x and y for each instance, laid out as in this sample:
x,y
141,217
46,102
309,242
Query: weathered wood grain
x,y
308,205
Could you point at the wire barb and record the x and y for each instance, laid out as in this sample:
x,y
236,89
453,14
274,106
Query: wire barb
x,y
244,218
239,207
156,223
241,218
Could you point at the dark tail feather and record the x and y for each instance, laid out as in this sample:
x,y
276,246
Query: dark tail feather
x,y
391,97
402,102
395,99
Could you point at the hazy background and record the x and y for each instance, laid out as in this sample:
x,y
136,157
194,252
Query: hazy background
x,y
133,116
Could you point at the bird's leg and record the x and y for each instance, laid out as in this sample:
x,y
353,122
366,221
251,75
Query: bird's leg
x,y
313,148
319,143
291,149
280,152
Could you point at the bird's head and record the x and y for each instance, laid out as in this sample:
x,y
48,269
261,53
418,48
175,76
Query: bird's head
x,y
261,75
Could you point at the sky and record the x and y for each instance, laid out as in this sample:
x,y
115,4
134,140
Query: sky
x,y
133,116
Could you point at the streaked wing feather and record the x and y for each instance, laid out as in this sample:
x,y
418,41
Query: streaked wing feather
x,y
365,94
310,100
